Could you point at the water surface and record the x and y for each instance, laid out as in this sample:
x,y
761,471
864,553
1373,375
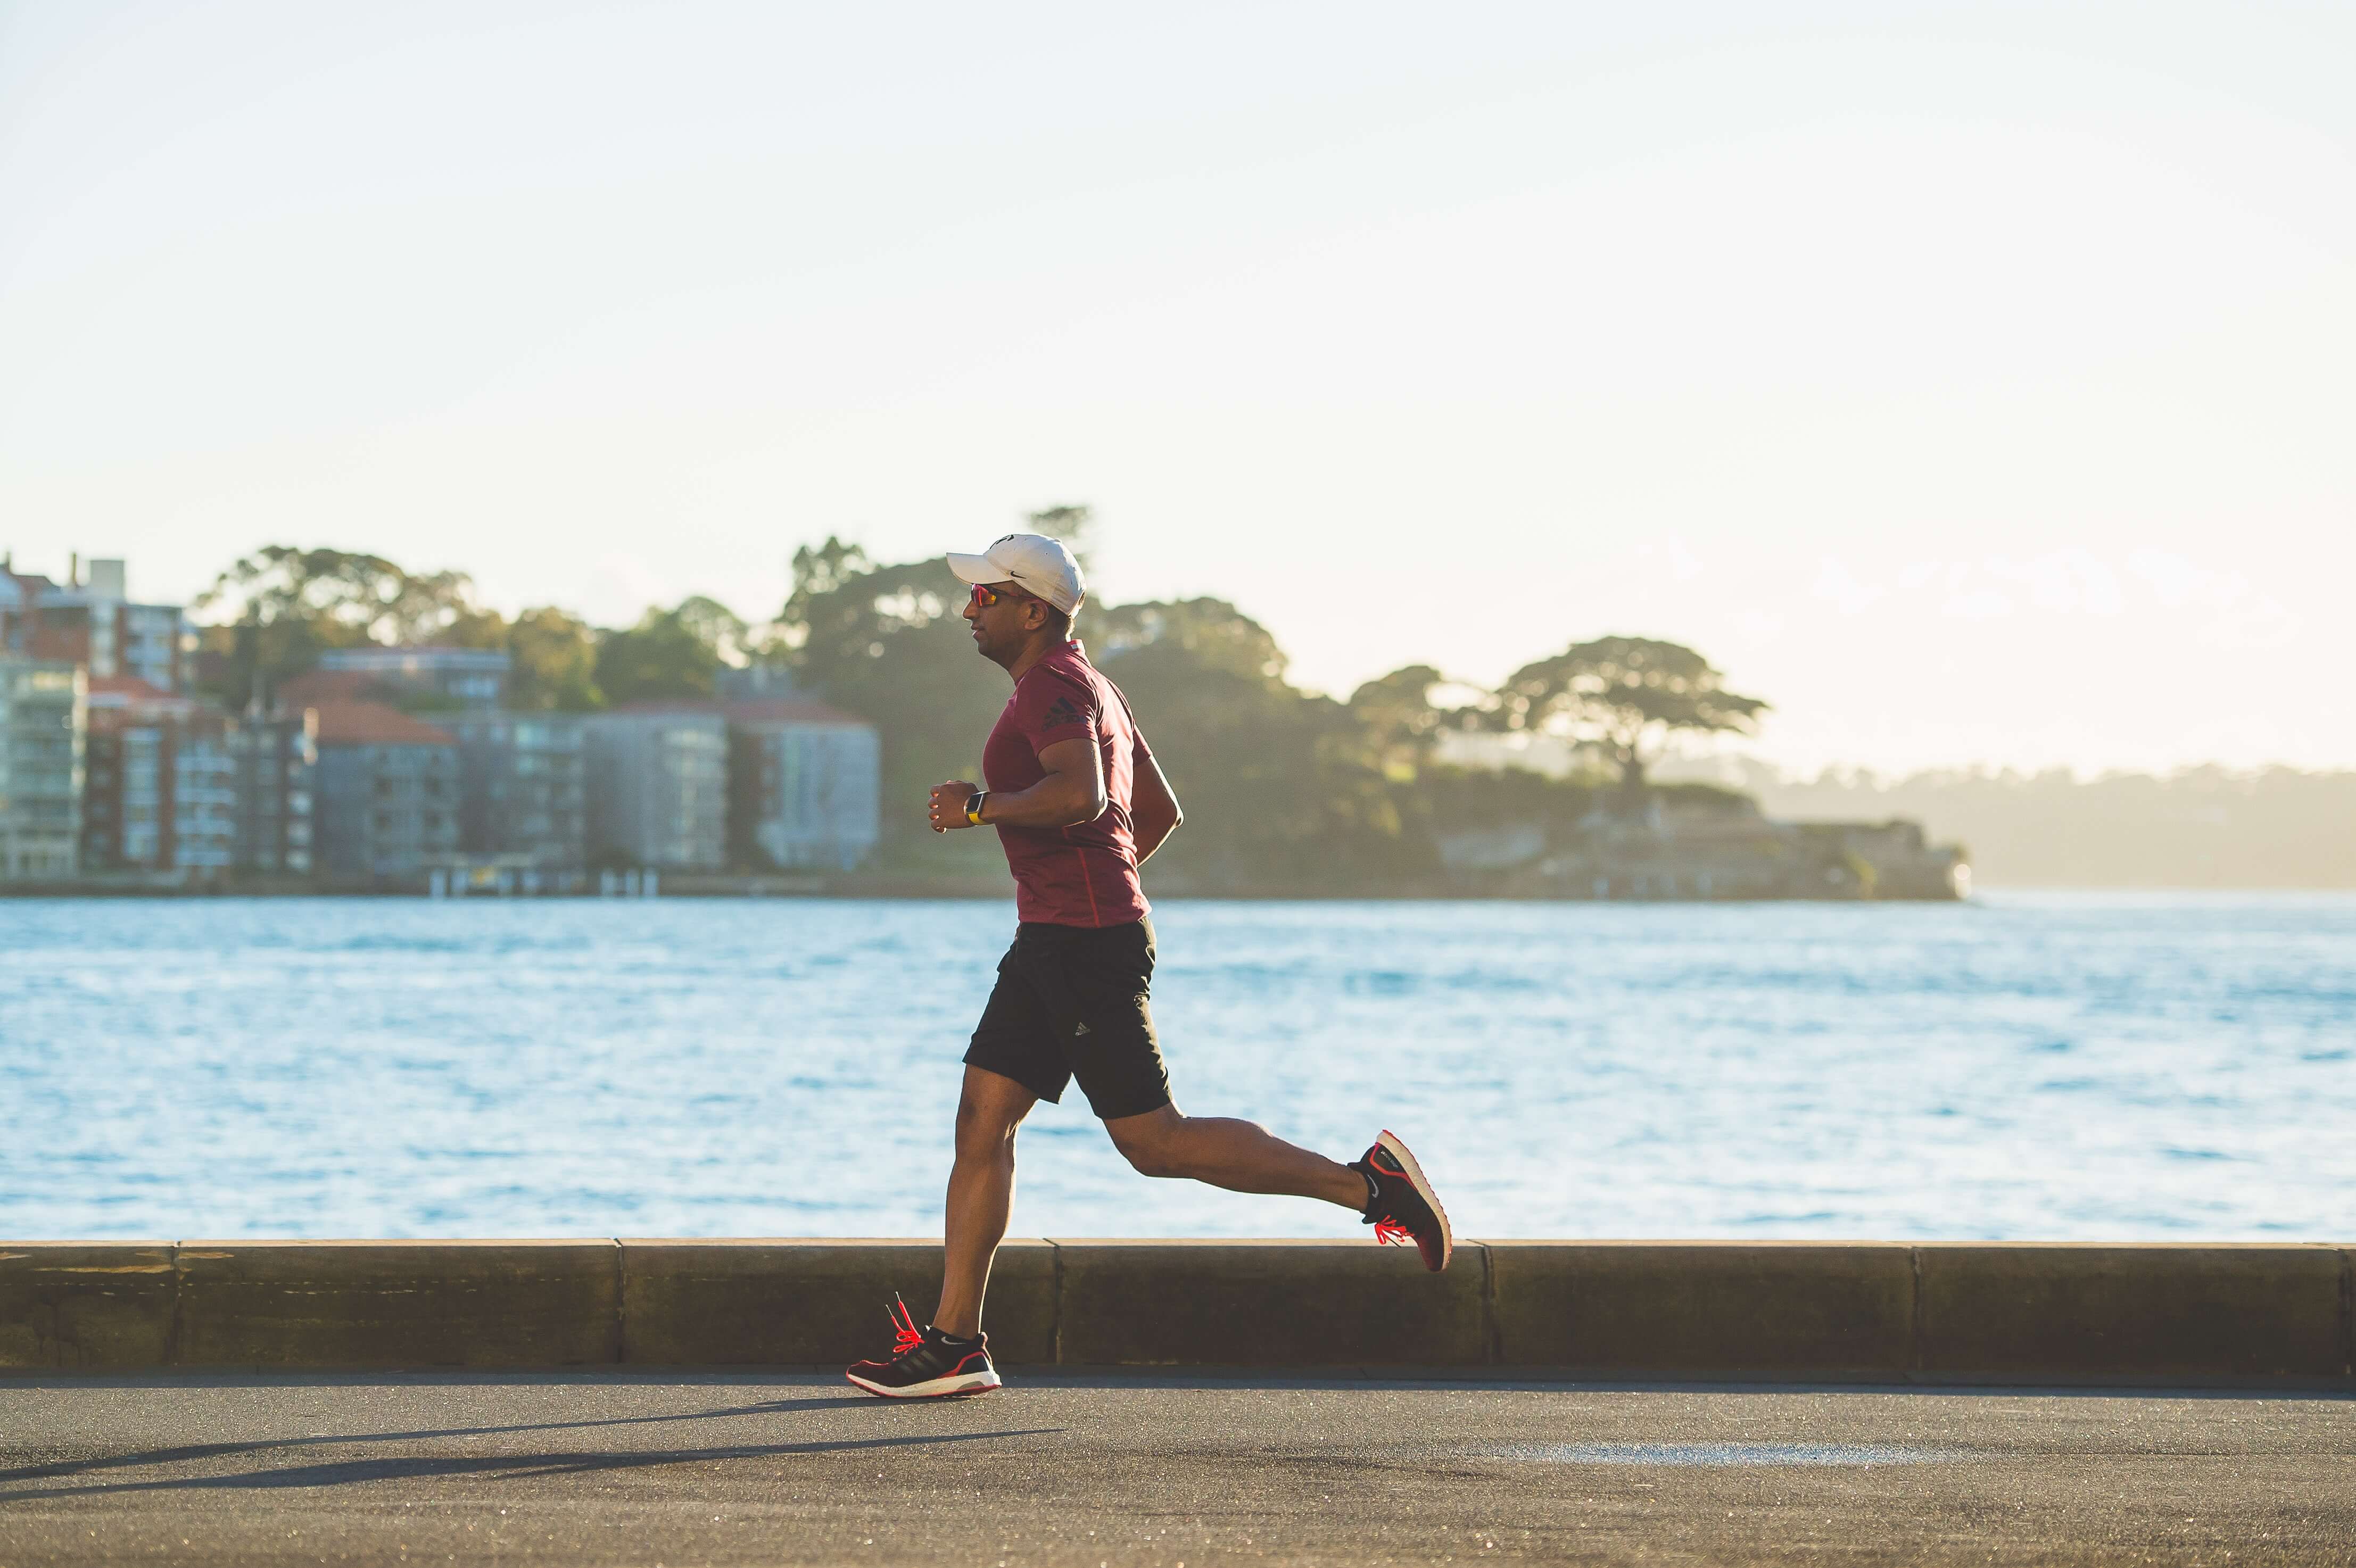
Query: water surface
x,y
2055,1066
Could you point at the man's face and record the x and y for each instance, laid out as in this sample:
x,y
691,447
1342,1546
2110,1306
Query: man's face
x,y
1001,619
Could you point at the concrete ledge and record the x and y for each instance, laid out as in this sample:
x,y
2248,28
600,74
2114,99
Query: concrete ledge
x,y
1946,1313
752,1303
85,1305
2189,1311
1731,1308
1258,1304
399,1304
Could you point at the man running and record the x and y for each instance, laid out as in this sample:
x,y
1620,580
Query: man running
x,y
1079,805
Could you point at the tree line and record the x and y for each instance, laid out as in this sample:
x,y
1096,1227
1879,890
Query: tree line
x,y
1282,786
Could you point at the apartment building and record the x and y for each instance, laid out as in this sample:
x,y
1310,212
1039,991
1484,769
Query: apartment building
x,y
387,796
277,758
470,679
95,623
523,788
804,785
658,787
44,727
159,781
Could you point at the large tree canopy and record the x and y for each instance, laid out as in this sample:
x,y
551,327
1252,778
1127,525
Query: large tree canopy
x,y
673,653
1626,694
1211,632
347,597
555,655
1278,784
288,606
1404,717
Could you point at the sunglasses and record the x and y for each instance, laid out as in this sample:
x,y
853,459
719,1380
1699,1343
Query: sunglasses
x,y
985,596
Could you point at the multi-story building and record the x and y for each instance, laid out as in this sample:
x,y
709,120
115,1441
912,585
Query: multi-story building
x,y
472,678
115,706
804,785
95,624
204,797
657,777
523,788
159,785
44,718
276,758
387,793
173,786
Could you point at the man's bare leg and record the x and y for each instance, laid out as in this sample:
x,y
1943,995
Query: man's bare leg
x,y
1242,1157
991,1108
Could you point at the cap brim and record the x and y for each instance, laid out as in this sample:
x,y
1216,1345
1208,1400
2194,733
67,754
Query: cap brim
x,y
977,569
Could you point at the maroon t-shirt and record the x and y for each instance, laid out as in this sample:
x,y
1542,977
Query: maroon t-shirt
x,y
1070,875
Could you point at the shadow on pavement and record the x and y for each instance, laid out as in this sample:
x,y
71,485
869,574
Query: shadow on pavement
x,y
501,1466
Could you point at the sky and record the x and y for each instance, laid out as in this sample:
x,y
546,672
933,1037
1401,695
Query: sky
x,y
1973,382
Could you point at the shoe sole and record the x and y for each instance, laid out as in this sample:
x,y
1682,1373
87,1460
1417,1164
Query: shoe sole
x,y
938,1387
1390,1140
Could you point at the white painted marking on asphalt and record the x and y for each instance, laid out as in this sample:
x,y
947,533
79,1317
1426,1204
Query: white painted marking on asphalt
x,y
1723,1454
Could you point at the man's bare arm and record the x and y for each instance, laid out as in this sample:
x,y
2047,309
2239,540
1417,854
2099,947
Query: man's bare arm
x,y
1156,816
1072,793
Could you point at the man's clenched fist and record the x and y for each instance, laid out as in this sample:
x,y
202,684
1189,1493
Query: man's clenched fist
x,y
948,804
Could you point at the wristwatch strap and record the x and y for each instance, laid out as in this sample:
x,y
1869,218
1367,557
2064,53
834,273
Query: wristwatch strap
x,y
973,808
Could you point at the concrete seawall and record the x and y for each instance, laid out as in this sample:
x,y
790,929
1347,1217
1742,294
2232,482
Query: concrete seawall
x,y
2241,1316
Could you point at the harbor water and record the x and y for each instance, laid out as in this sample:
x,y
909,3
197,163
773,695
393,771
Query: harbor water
x,y
2064,1066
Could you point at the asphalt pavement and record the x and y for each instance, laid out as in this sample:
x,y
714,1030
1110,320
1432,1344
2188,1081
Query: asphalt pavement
x,y
621,1468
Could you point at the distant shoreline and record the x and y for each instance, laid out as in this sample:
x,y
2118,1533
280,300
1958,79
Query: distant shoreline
x,y
979,891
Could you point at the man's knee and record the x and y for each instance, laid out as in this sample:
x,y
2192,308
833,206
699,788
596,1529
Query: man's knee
x,y
1153,1153
983,1132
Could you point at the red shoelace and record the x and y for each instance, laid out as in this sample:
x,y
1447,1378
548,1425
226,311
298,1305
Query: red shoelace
x,y
906,1335
1388,1232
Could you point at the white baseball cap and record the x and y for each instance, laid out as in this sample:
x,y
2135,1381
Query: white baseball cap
x,y
1032,562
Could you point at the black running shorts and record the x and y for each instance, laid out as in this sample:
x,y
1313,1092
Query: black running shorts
x,y
1072,1002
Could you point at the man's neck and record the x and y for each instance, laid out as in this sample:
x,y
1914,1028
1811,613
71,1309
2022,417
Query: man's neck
x,y
1033,653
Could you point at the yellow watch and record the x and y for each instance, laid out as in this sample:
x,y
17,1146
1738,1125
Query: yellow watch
x,y
973,808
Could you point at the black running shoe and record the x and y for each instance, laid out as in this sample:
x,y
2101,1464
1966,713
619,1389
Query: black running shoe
x,y
1403,1207
925,1363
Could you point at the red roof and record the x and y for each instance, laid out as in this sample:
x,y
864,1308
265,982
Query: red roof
x,y
315,687
374,724
124,702
129,688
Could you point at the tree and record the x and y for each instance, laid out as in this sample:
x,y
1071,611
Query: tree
x,y
292,605
820,570
669,654
348,597
1279,785
475,627
555,662
1213,632
1626,694
1403,722
714,625
1073,525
